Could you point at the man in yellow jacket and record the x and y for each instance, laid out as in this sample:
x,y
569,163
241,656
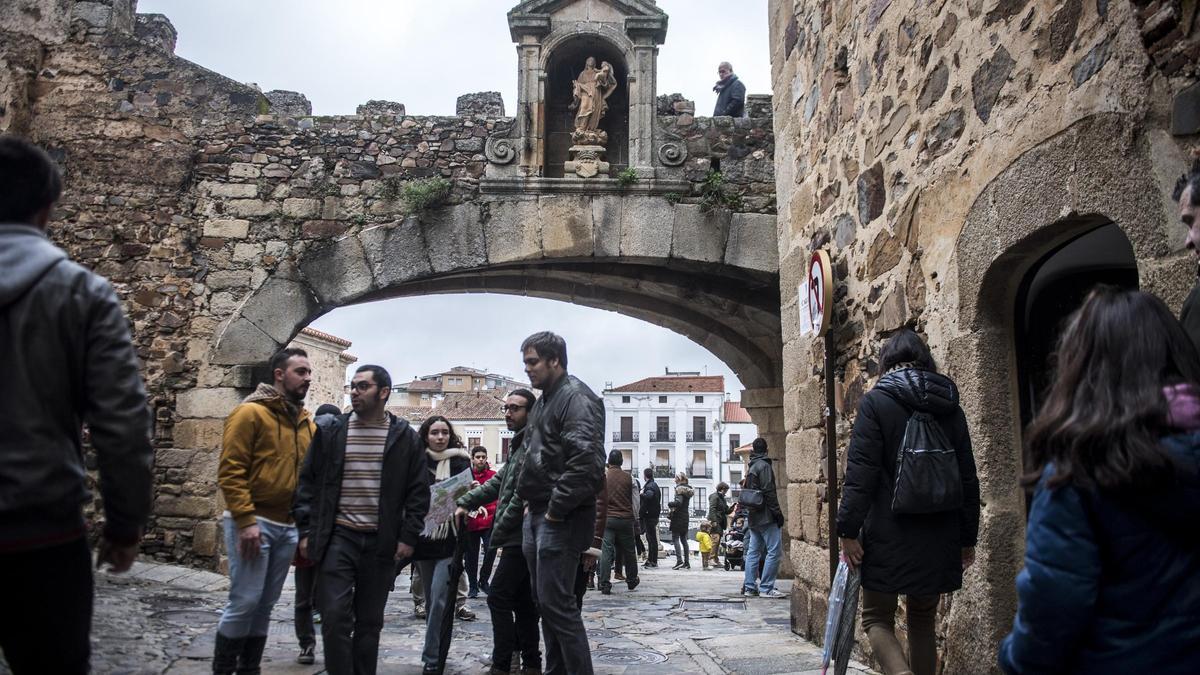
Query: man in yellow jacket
x,y
262,450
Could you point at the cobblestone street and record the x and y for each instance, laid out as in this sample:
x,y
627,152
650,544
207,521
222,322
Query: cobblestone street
x,y
161,619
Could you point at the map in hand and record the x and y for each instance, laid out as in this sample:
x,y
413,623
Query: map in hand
x,y
442,497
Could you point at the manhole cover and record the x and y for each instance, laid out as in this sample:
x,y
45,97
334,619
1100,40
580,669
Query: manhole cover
x,y
628,657
188,617
721,605
601,633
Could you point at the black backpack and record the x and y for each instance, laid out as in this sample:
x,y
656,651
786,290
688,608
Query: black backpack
x,y
927,478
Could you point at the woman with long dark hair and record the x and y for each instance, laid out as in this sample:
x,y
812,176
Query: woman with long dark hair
x,y
919,555
1111,582
434,554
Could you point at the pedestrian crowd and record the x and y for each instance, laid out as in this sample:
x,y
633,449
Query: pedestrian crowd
x,y
1111,581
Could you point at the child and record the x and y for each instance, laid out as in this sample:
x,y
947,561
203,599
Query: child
x,y
705,540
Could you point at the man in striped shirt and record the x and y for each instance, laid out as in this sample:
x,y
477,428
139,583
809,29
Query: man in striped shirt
x,y
369,515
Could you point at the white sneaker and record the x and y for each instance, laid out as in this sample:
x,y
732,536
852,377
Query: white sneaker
x,y
773,594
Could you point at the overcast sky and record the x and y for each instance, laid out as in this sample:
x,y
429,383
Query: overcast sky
x,y
425,54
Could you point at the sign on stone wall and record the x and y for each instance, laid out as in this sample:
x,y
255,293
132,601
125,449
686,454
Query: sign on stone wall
x,y
816,295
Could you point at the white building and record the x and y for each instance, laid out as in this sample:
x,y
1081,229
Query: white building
x,y
737,431
672,423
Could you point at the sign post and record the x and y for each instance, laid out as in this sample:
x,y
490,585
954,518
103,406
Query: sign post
x,y
819,283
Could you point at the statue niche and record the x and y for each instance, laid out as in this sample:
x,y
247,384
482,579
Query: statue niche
x,y
587,110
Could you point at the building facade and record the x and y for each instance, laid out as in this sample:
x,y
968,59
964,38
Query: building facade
x,y
476,417
329,358
428,390
737,430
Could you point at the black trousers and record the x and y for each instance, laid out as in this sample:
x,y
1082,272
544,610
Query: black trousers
x,y
306,581
475,541
650,527
47,612
514,615
352,590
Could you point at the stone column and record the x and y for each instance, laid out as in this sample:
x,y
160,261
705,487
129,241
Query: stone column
x,y
643,89
530,104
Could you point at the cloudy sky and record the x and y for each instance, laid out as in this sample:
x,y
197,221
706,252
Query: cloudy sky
x,y
425,54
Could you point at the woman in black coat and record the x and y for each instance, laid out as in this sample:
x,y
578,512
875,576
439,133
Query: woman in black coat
x,y
679,522
918,556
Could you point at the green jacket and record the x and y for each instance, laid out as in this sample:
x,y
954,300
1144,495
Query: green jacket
x,y
502,489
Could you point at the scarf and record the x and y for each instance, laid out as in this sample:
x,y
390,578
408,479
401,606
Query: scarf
x,y
721,84
1183,406
440,474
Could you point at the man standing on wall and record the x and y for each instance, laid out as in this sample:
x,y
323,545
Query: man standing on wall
x,y
649,511
510,596
563,471
765,522
265,440
731,93
1187,193
67,359
360,507
618,546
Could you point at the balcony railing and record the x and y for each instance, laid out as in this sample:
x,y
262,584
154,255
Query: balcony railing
x,y
662,436
664,471
625,436
699,437
706,472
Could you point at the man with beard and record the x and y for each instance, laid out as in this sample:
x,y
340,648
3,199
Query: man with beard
x,y
263,446
510,597
563,471
360,507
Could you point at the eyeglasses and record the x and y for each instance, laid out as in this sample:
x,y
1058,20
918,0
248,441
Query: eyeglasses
x,y
361,385
510,408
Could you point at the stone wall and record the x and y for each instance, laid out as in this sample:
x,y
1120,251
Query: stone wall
x,y
937,150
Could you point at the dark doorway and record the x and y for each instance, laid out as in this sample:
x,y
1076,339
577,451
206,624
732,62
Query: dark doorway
x,y
1052,290
564,66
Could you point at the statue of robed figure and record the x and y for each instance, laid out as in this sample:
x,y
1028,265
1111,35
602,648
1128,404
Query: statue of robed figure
x,y
591,91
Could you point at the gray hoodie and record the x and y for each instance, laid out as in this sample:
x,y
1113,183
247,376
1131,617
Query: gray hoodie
x,y
66,358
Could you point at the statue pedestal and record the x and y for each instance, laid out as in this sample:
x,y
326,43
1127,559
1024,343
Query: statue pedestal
x,y
586,161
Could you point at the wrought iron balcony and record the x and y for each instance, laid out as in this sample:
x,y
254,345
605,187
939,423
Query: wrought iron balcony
x,y
625,436
662,436
706,472
702,437
664,471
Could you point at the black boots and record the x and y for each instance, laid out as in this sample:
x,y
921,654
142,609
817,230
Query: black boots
x,y
226,653
250,661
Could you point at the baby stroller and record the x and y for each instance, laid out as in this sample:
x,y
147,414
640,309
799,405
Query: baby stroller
x,y
733,549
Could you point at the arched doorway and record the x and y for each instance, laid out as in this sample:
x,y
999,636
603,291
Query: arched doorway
x,y
563,67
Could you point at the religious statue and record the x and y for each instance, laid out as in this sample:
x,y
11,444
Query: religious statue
x,y
591,91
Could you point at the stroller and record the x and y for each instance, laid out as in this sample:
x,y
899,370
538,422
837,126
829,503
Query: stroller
x,y
733,548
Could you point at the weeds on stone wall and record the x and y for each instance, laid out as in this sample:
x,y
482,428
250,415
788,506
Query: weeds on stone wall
x,y
627,177
425,193
715,194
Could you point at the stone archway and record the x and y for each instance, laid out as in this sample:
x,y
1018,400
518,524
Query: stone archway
x,y
1098,169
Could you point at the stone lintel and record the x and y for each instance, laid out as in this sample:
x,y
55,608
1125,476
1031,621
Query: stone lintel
x,y
769,397
594,186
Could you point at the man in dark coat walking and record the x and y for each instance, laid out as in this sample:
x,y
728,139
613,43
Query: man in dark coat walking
x,y
563,472
919,556
649,512
763,530
731,93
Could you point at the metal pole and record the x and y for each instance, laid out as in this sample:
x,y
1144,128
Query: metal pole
x,y
831,472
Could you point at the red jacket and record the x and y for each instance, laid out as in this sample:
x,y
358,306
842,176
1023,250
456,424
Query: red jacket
x,y
484,522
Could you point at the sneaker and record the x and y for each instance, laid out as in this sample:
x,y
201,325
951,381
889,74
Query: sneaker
x,y
419,611
308,655
749,592
633,584
465,614
772,594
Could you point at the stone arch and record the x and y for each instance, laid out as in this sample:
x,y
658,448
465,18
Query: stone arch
x,y
560,36
1100,169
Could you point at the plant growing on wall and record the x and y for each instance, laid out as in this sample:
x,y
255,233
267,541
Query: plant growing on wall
x,y
715,193
425,193
627,177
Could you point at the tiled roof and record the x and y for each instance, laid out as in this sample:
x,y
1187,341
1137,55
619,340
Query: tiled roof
x,y
704,384
735,413
415,414
421,385
313,332
480,405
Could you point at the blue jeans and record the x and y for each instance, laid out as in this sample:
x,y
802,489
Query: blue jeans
x,y
255,584
770,538
552,551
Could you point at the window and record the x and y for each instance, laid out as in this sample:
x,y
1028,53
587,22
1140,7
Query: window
x,y
473,442
662,428
699,428
662,399
735,442
699,399
624,399
626,429
505,443
699,502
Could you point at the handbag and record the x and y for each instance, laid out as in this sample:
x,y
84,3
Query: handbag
x,y
751,498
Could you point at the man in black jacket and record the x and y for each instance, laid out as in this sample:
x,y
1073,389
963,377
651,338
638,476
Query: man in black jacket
x,y
360,506
563,471
67,359
731,93
764,527
648,513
